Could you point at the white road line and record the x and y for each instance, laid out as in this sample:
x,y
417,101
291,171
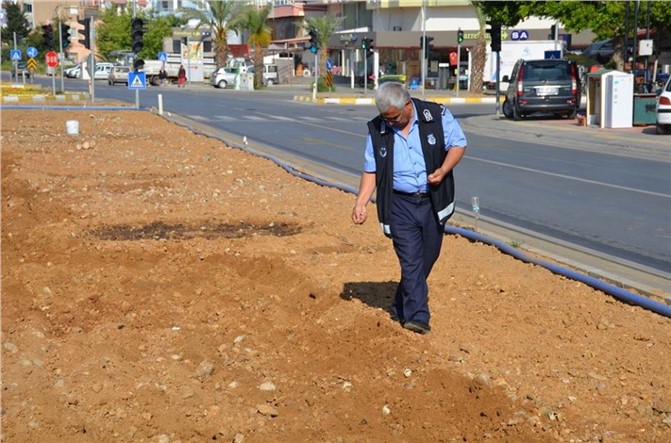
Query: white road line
x,y
568,177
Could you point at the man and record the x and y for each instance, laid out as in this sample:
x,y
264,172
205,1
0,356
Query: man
x,y
411,150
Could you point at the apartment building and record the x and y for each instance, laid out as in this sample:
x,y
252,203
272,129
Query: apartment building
x,y
41,12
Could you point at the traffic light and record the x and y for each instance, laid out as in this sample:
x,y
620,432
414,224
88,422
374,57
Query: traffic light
x,y
425,43
65,35
137,30
553,32
460,36
314,41
369,46
48,35
495,33
86,40
137,34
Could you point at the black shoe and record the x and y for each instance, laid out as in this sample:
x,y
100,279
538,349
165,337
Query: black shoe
x,y
417,326
395,317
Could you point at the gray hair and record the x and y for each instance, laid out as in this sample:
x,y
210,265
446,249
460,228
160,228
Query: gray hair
x,y
391,95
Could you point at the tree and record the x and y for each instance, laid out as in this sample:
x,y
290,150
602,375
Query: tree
x,y
113,33
507,14
605,18
324,26
16,22
254,21
222,17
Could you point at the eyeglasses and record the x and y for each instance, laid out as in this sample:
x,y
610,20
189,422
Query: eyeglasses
x,y
396,118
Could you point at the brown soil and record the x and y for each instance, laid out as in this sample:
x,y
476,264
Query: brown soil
x,y
160,286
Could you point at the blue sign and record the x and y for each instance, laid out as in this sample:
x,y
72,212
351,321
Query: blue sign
x,y
163,56
32,52
137,80
519,35
552,55
329,64
15,55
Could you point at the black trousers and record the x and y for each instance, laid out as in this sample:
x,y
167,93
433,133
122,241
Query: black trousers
x,y
417,237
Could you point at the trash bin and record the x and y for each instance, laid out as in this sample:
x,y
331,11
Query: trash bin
x,y
644,109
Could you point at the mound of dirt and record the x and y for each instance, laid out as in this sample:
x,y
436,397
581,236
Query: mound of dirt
x,y
160,286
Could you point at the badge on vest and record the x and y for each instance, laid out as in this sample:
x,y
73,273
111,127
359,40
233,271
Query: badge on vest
x,y
427,116
431,139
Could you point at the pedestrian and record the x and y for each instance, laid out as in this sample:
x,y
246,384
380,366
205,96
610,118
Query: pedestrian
x,y
181,77
162,76
411,151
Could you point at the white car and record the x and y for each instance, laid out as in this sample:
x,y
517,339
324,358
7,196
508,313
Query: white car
x,y
118,74
223,76
664,109
102,71
73,72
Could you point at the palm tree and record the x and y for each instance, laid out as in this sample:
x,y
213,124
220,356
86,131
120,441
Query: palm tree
x,y
221,16
479,54
253,20
324,26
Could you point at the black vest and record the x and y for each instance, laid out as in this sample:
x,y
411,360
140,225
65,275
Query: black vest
x,y
431,135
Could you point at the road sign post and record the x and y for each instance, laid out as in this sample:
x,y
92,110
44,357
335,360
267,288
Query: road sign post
x,y
51,59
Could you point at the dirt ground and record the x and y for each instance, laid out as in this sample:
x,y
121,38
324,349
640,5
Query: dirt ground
x,y
159,286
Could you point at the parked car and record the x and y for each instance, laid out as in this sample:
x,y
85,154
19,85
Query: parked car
x,y
664,109
223,76
542,86
603,51
20,69
270,75
73,72
118,74
102,71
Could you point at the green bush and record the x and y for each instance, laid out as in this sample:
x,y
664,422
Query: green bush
x,y
322,86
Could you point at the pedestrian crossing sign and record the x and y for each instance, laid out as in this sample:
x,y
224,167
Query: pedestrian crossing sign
x,y
137,80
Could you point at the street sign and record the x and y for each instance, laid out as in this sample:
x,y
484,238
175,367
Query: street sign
x,y
15,55
329,64
52,59
519,35
137,80
31,52
32,64
163,56
552,55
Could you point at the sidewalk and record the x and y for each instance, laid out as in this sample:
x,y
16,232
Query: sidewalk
x,y
344,95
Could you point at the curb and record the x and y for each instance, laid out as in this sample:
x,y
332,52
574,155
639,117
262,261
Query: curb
x,y
371,100
41,98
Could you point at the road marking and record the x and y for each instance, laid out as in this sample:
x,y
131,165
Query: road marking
x,y
568,177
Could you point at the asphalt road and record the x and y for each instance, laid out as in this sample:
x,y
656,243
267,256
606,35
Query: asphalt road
x,y
606,195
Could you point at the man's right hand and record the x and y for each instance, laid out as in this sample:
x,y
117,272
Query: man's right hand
x,y
359,214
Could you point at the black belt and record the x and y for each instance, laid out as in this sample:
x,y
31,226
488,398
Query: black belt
x,y
413,194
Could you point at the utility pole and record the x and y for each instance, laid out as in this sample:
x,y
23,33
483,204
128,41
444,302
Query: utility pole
x,y
137,91
60,50
424,45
